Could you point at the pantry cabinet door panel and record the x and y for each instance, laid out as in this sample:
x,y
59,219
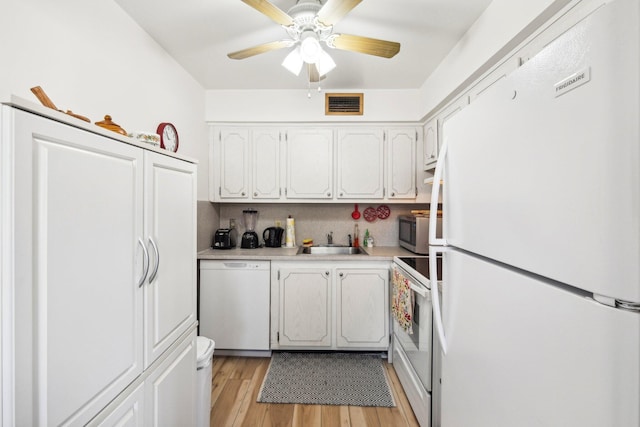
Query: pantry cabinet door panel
x,y
170,390
79,316
309,164
170,230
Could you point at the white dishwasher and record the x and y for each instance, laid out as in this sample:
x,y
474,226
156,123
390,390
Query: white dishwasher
x,y
234,303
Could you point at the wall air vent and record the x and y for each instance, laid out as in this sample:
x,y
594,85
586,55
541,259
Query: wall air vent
x,y
345,104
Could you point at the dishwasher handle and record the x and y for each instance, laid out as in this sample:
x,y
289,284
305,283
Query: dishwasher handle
x,y
236,265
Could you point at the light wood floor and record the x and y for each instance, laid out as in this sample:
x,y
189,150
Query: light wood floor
x,y
237,381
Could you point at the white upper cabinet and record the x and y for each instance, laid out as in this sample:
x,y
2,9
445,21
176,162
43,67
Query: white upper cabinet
x,y
430,138
265,159
309,163
360,163
315,164
401,177
233,163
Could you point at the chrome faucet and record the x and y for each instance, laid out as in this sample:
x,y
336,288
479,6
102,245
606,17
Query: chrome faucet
x,y
330,238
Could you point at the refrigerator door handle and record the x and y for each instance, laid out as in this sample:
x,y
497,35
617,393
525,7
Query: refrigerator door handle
x,y
435,297
435,193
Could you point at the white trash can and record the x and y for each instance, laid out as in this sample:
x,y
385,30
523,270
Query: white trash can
x,y
204,348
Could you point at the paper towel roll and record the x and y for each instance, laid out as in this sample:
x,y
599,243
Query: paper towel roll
x,y
290,237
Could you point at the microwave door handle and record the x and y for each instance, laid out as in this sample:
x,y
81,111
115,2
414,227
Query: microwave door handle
x,y
435,298
435,193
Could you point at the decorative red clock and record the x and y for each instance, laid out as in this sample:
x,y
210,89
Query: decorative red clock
x,y
168,136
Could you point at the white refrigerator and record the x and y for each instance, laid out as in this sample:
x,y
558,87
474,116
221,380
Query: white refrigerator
x,y
539,321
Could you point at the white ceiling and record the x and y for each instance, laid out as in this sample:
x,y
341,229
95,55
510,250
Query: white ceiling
x,y
200,33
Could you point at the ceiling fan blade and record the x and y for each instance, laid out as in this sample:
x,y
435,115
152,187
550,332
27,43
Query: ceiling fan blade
x,y
261,48
335,10
314,75
272,11
383,48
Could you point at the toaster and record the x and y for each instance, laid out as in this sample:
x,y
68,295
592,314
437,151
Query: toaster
x,y
224,238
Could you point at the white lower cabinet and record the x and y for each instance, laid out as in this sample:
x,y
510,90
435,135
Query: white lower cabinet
x,y
305,301
164,397
170,390
99,242
329,305
362,307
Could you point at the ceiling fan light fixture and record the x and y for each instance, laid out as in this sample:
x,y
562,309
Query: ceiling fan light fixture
x,y
293,61
310,49
325,63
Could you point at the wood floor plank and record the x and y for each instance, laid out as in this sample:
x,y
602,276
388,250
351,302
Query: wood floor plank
x,y
236,384
402,403
224,371
226,408
333,415
278,415
307,416
252,413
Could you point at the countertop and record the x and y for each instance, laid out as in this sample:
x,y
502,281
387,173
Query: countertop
x,y
377,253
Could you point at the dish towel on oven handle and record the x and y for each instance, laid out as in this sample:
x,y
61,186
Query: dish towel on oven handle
x,y
403,299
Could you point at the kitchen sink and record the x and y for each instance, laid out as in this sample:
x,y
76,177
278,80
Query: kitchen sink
x,y
331,250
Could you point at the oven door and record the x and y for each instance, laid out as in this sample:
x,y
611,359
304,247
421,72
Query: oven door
x,y
417,346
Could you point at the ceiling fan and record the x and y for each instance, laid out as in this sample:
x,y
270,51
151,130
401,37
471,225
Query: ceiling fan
x,y
308,23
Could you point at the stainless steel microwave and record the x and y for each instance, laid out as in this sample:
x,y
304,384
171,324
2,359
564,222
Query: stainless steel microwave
x,y
413,232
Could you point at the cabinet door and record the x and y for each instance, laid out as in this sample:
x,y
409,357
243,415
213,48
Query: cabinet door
x,y
360,166
430,139
309,164
265,158
447,114
170,230
233,163
170,390
129,413
305,307
362,308
78,307
402,163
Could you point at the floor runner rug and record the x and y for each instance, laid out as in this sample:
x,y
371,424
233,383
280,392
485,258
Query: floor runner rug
x,y
326,379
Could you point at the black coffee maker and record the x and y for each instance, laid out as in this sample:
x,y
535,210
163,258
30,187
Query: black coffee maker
x,y
250,237
273,237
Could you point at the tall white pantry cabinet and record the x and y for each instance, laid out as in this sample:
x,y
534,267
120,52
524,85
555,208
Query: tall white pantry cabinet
x,y
98,276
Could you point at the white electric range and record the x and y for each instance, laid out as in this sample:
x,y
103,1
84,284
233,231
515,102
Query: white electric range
x,y
413,348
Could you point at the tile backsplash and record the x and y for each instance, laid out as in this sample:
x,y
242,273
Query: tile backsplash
x,y
315,221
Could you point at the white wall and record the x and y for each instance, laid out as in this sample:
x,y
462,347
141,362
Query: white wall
x,y
296,106
503,25
91,58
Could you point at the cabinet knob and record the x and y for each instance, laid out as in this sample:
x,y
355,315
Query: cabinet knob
x,y
341,194
255,194
326,273
393,194
341,274
243,194
328,194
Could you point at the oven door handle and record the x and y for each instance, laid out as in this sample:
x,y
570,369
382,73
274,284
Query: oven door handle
x,y
419,290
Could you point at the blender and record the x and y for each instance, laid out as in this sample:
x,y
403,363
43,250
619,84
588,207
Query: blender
x,y
250,237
